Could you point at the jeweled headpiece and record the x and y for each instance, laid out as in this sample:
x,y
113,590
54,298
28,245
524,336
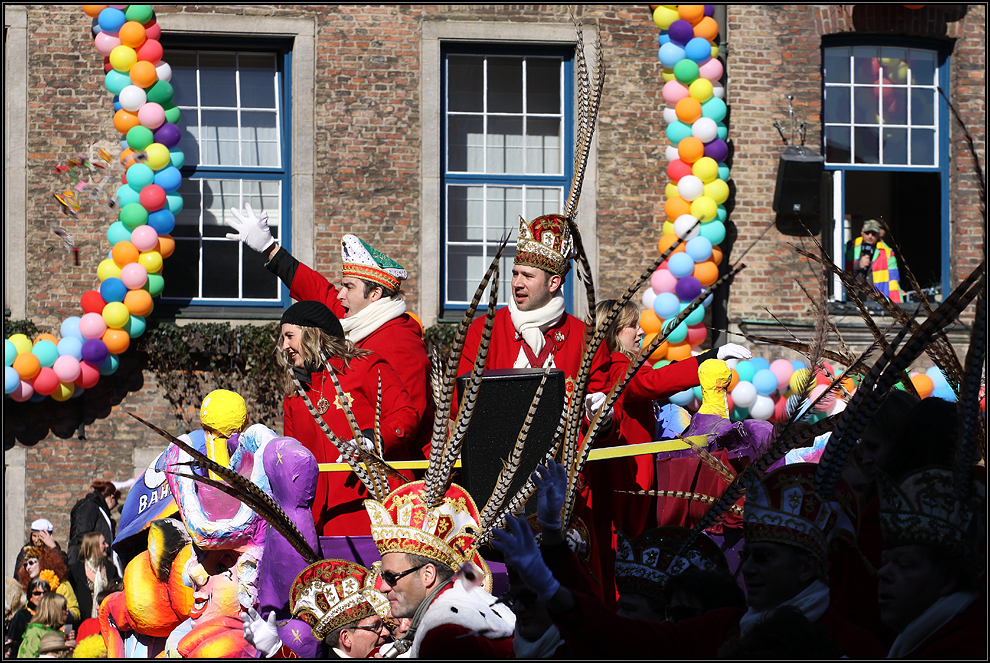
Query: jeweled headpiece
x,y
363,261
643,563
334,592
545,242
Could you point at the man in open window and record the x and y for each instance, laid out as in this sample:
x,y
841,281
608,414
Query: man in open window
x,y
870,257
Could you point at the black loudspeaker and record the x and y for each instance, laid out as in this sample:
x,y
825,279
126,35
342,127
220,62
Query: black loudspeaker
x,y
799,182
502,405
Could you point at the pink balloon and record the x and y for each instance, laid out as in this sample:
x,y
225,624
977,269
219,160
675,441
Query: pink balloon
x,y
134,276
22,391
151,115
144,238
783,369
105,43
711,70
697,334
663,281
92,325
826,403
67,368
674,91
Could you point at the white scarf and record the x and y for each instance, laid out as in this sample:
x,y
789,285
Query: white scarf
x,y
532,325
938,615
542,648
812,602
360,325
99,583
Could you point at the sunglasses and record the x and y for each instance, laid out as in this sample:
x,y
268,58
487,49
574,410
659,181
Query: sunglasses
x,y
871,232
374,628
525,598
38,592
391,579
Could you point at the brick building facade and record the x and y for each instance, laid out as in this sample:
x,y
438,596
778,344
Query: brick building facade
x,y
362,139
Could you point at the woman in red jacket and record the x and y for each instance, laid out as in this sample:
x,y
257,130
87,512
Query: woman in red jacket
x,y
311,344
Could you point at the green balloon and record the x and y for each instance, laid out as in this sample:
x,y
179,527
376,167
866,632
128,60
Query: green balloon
x,y
178,158
174,203
686,71
135,326
139,138
116,81
155,284
140,13
722,214
160,93
139,176
133,215
172,113
714,232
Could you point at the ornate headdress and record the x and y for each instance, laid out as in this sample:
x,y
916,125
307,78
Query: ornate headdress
x,y
363,261
784,506
577,535
545,242
643,563
404,523
925,509
334,592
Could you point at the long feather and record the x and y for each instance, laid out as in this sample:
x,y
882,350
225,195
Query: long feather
x,y
682,495
720,468
970,415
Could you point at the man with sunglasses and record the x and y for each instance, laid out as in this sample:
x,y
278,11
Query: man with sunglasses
x,y
870,257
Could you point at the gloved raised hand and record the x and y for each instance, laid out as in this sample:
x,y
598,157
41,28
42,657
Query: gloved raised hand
x,y
251,230
517,543
734,351
594,402
551,489
352,446
261,634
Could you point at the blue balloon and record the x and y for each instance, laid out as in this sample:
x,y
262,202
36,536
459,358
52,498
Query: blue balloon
x,y
178,158
663,38
77,393
708,300
680,265
118,232
117,106
695,317
168,178
765,382
9,353
937,377
135,326
798,364
715,109
759,363
698,49
678,334
722,132
109,365
127,195
111,20
70,346
945,393
113,290
10,379
163,221
678,131
46,352
723,174
697,392
699,248
722,214
666,305
37,398
713,231
682,398
671,54
70,327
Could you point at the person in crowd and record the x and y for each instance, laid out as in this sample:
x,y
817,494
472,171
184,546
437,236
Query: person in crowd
x,y
22,617
93,573
46,563
93,513
786,634
51,615
369,304
41,534
55,645
535,634
870,257
312,344
930,419
695,591
788,529
932,584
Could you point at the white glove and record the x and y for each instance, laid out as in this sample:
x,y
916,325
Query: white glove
x,y
594,402
551,488
352,446
261,634
251,230
734,351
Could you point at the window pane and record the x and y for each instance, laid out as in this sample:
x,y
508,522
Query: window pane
x,y
465,213
263,195
866,105
505,85
464,271
837,144
867,148
540,201
259,139
866,66
895,105
218,197
220,269
837,105
543,146
505,145
258,282
465,144
218,138
257,77
504,206
187,221
182,282
895,146
183,77
465,83
543,85
189,137
837,65
923,147
217,80
922,66
923,107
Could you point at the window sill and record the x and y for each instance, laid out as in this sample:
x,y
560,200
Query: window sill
x,y
177,312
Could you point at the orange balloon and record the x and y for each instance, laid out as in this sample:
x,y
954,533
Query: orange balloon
x,y
675,206
117,340
922,384
690,149
734,380
124,156
691,13
143,74
667,240
688,110
47,337
166,246
660,352
706,272
124,253
132,34
650,323
716,255
93,11
27,366
849,384
411,314
123,121
138,302
707,28
679,351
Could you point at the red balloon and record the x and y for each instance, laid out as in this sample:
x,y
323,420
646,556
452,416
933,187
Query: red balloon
x,y
152,197
152,30
106,64
89,375
150,51
92,302
677,169
779,410
46,382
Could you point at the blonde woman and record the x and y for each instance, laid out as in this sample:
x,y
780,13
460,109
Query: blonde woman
x,y
51,615
92,573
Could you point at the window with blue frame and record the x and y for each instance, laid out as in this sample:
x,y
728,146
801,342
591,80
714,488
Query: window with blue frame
x,y
507,152
886,143
235,139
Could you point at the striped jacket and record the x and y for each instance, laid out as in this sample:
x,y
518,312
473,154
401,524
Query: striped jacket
x,y
886,277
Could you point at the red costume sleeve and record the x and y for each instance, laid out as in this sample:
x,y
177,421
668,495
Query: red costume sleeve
x,y
309,285
649,384
452,642
399,419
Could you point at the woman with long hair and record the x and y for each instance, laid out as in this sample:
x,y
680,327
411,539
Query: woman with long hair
x,y
51,615
18,624
46,563
92,573
311,346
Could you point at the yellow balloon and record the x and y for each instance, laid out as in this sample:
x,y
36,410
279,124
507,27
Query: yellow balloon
x,y
705,169
21,343
151,261
704,209
158,156
108,269
663,16
701,90
63,391
668,228
798,378
671,190
122,58
115,314
714,51
667,74
717,190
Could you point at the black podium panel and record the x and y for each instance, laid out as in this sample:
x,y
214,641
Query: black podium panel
x,y
501,408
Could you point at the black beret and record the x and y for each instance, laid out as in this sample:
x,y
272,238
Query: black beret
x,y
313,314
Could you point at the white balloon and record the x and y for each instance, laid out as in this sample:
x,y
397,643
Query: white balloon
x,y
132,98
687,227
762,408
669,115
671,153
718,91
744,394
164,70
705,129
690,187
648,297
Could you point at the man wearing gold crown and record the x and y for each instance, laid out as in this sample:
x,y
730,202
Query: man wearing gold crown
x,y
368,304
430,570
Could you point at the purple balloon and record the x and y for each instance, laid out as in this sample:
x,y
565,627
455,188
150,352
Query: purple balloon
x,y
94,351
168,135
688,287
717,149
709,10
681,32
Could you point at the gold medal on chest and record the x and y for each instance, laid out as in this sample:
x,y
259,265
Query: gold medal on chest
x,y
322,405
